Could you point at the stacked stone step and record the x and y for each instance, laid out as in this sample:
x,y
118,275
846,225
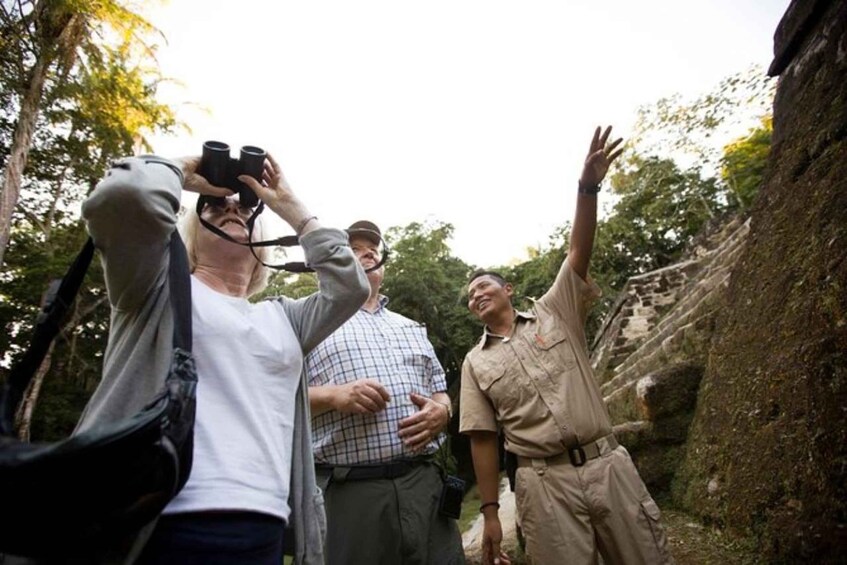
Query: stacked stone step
x,y
679,335
642,304
646,299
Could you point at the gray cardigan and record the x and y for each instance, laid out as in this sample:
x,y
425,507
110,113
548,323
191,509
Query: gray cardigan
x,y
131,215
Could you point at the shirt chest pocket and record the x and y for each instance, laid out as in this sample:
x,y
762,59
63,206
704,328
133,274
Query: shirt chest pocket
x,y
553,349
411,349
499,384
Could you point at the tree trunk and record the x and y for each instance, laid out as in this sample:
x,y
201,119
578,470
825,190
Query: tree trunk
x,y
21,142
23,418
56,36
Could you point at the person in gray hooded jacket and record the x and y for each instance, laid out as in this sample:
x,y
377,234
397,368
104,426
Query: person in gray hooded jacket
x,y
253,467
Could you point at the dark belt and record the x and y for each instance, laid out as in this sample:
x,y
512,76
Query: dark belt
x,y
392,470
577,455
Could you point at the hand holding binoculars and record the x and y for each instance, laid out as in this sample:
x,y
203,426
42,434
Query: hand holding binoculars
x,y
220,169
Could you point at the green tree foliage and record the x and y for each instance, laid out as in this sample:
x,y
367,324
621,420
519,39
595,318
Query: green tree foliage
x,y
286,284
68,63
532,278
74,367
744,160
658,210
663,199
77,92
680,128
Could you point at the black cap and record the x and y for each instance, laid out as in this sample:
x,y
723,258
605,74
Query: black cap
x,y
366,229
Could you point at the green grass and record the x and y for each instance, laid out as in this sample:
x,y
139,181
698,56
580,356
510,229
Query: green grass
x,y
470,509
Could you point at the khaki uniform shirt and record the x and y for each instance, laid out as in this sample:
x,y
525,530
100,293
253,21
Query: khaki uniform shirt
x,y
538,383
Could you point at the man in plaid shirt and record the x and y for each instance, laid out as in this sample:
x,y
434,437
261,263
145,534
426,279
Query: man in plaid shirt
x,y
379,410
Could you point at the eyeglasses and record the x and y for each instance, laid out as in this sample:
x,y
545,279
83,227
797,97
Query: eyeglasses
x,y
219,204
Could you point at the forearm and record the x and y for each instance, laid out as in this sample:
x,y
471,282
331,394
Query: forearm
x,y
321,399
130,215
485,455
601,154
582,233
296,214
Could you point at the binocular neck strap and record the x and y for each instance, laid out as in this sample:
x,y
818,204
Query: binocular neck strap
x,y
285,241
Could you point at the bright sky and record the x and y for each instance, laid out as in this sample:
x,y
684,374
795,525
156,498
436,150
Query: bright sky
x,y
473,112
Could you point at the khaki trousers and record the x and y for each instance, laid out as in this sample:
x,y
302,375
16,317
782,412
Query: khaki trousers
x,y
568,514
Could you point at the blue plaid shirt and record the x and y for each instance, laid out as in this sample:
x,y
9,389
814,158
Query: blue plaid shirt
x,y
392,349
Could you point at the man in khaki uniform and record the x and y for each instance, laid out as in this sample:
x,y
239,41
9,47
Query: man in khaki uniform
x,y
576,489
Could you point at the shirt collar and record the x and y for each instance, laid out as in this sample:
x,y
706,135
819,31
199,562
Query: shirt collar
x,y
519,315
382,303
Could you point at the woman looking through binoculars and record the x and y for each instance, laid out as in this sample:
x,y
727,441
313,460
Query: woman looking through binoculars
x,y
253,470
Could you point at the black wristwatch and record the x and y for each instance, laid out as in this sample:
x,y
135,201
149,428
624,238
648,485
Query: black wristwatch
x,y
590,189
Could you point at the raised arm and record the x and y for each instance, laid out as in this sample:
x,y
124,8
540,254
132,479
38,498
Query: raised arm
x,y
342,284
600,157
131,215
277,195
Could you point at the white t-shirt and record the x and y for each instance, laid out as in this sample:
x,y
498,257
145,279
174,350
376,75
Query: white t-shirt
x,y
248,368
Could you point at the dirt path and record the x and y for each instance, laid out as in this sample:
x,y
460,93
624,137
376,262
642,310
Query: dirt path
x,y
693,543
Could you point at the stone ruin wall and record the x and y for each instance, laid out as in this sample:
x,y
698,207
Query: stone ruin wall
x,y
766,454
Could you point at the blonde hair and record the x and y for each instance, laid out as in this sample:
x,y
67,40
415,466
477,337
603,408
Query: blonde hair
x,y
188,227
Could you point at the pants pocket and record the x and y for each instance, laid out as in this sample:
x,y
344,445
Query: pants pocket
x,y
653,516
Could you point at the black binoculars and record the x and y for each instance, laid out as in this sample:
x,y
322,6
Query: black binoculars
x,y
220,169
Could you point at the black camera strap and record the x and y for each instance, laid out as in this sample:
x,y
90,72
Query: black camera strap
x,y
284,241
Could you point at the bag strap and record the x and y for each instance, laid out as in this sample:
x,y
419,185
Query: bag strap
x,y
179,277
60,296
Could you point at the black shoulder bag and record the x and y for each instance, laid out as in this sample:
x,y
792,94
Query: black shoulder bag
x,y
93,489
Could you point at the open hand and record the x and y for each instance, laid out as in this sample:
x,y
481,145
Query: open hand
x,y
492,535
600,157
423,426
274,190
277,195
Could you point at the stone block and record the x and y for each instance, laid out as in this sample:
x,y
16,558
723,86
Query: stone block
x,y
668,391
